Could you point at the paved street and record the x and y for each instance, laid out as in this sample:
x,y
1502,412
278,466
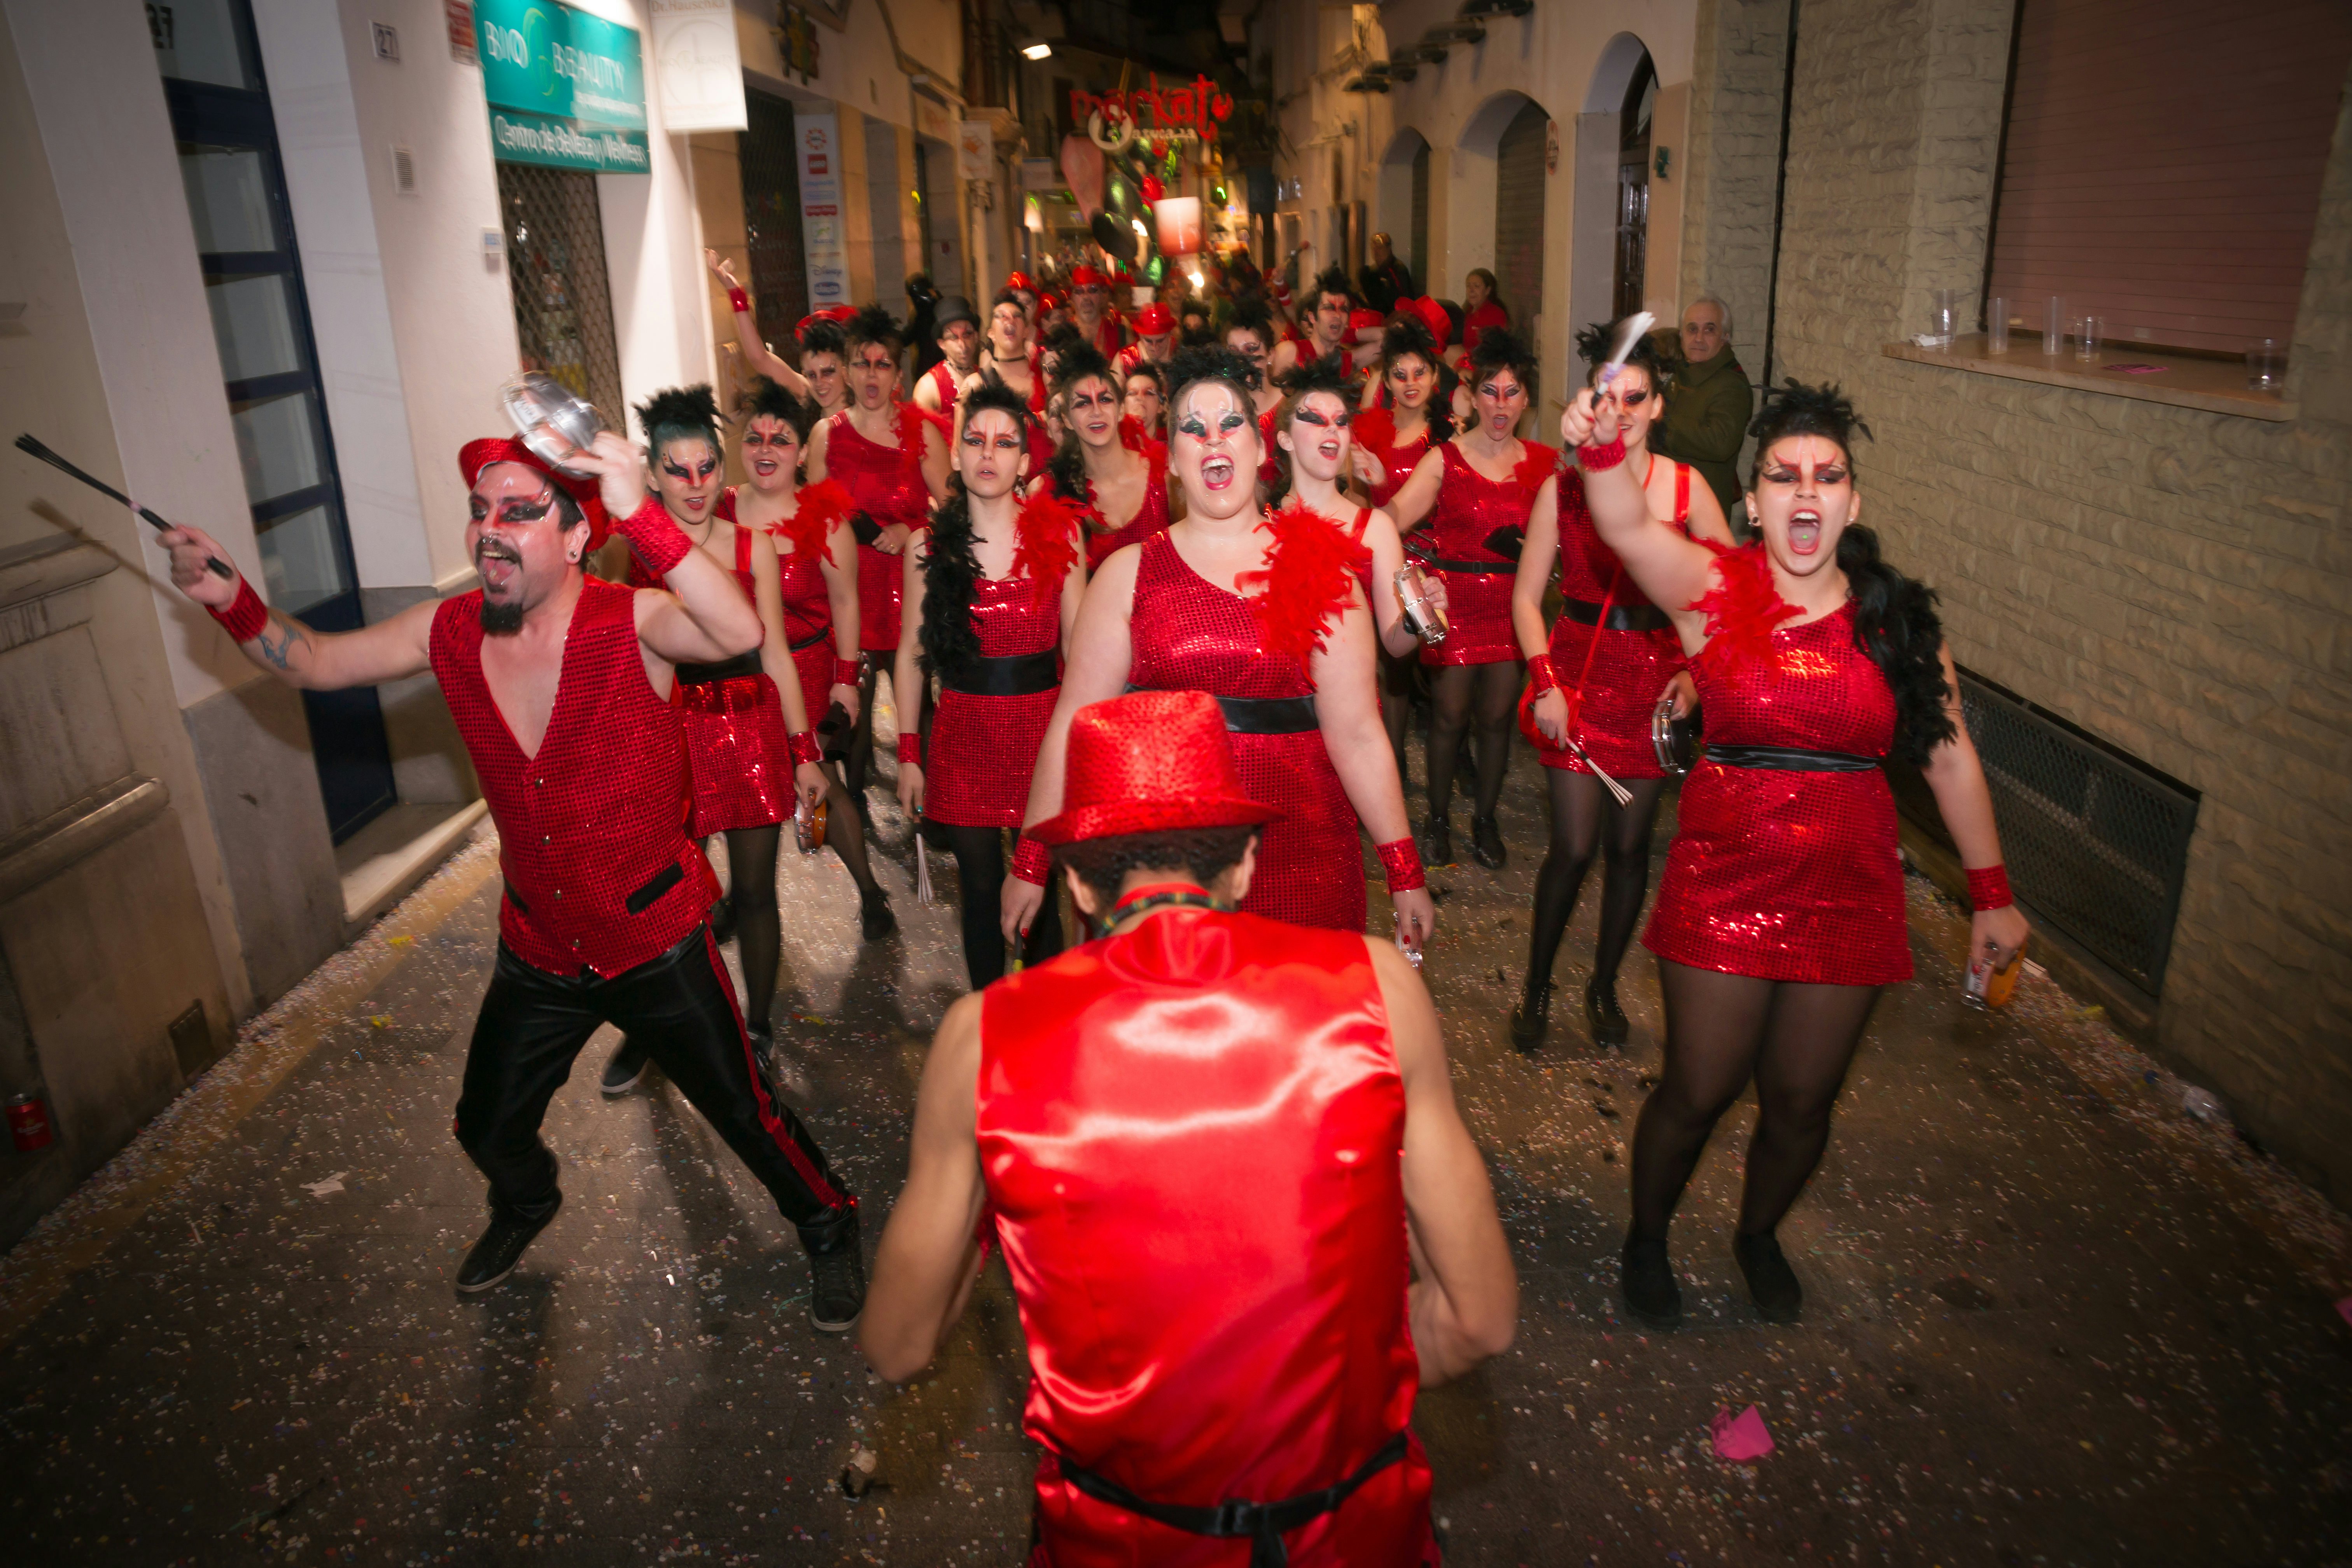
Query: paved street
x,y
2051,1320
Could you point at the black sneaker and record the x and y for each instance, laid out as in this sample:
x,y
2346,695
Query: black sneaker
x,y
1603,1016
873,916
1531,1020
495,1256
1487,842
627,1066
1772,1285
1647,1278
1436,841
837,1292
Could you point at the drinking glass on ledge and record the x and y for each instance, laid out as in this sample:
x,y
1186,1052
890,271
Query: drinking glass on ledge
x,y
1996,325
2053,326
2266,365
2088,330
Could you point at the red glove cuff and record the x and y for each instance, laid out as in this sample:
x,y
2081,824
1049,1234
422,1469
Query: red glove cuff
x,y
739,302
805,747
246,614
847,672
1592,459
910,748
657,540
1402,861
1989,888
1032,861
1540,674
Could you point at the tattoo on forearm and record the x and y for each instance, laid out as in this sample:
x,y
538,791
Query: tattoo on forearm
x,y
281,649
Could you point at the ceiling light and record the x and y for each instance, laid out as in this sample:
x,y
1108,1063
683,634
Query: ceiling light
x,y
1039,50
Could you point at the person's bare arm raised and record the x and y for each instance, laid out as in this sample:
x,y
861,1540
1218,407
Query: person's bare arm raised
x,y
929,1259
700,615
756,352
1671,569
294,653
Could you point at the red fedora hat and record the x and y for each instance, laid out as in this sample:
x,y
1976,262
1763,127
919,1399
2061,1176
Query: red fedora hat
x,y
1149,762
476,455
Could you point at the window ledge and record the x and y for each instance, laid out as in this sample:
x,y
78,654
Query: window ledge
x,y
2185,380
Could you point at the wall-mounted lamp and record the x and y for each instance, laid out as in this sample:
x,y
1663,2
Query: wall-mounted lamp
x,y
1037,50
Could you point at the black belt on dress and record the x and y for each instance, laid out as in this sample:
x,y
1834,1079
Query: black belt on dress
x,y
1790,759
1021,675
1487,568
820,634
704,674
1263,1525
1263,715
1621,617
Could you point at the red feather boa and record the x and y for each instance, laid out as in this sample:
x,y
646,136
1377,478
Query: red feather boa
x,y
1375,429
1535,467
823,506
1743,608
1308,579
1045,540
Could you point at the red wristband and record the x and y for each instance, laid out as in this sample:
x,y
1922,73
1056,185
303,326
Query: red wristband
x,y
657,540
910,748
847,672
1989,888
1540,674
1032,861
1402,861
1592,459
739,302
246,614
805,747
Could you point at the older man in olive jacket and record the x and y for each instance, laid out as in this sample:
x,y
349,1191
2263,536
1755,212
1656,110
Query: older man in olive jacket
x,y
1710,401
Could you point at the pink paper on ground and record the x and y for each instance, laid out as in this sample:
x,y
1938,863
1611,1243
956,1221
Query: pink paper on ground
x,y
1742,1438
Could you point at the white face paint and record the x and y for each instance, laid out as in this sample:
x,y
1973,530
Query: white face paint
x,y
1216,449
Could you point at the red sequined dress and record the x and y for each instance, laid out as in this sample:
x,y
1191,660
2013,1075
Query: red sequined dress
x,y
886,484
1224,1090
1189,635
1375,432
1150,517
1470,508
1637,654
990,723
738,749
804,542
600,873
1774,873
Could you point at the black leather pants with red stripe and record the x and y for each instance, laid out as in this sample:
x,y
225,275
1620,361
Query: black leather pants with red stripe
x,y
681,1008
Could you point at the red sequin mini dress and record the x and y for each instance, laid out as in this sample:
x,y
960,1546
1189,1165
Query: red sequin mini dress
x,y
1622,677
984,736
1189,635
738,751
1471,508
1777,873
1375,432
803,543
1151,518
886,484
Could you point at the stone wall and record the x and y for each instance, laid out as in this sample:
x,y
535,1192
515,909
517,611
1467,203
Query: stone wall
x,y
1734,152
2174,582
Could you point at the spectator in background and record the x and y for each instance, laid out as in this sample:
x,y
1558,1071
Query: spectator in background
x,y
1385,280
1706,420
922,329
1483,307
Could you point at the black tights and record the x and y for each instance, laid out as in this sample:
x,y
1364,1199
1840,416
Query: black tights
x,y
913,718
980,887
1454,691
758,929
1582,806
845,830
1794,1040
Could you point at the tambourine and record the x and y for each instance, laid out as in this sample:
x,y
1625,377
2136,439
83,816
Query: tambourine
x,y
1680,743
553,421
1413,600
808,827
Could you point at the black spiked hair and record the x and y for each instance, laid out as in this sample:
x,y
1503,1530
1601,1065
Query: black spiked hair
x,y
1500,348
991,393
1217,364
873,324
679,413
823,337
1593,344
1331,280
1250,314
763,399
1310,376
1407,334
1074,362
1796,408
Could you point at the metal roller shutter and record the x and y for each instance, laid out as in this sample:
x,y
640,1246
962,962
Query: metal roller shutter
x,y
1520,214
1417,256
772,212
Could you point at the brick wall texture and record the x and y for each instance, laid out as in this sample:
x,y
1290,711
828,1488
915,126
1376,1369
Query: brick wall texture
x,y
2177,583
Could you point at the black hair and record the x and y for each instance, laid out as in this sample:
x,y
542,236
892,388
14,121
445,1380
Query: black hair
x,y
1061,338
1894,619
1409,334
1250,314
1143,367
679,413
1074,362
1309,375
951,570
1009,295
1331,280
1593,344
1500,348
1228,365
823,337
873,324
1494,287
763,399
1102,864
991,393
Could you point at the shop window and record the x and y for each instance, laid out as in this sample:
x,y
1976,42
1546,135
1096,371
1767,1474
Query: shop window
x,y
563,303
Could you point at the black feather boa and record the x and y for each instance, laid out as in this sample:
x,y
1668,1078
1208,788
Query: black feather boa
x,y
950,577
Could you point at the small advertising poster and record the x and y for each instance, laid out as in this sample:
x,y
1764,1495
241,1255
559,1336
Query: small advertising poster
x,y
821,236
566,90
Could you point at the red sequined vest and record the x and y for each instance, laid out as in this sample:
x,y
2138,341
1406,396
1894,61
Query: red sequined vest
x,y
599,871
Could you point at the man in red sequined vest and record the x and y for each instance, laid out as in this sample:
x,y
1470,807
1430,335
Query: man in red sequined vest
x,y
1215,1149
560,684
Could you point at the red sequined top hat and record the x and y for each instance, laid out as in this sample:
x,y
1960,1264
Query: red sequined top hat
x,y
1432,316
1154,319
476,455
1149,762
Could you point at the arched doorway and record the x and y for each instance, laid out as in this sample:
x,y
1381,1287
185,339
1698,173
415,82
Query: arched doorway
x,y
1634,190
1521,156
1404,202
1608,247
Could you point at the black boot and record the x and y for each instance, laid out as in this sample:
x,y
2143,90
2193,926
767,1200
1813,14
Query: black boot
x,y
763,1046
494,1257
1647,1278
627,1066
873,916
1772,1285
722,921
1436,841
1603,1016
837,1266
1531,1020
1487,842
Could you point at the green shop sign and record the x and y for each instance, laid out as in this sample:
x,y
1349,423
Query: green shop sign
x,y
565,89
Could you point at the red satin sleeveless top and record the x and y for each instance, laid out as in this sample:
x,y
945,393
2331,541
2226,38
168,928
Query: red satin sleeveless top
x,y
1192,1135
887,482
599,871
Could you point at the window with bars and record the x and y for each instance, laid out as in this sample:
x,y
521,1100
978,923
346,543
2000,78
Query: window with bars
x,y
555,271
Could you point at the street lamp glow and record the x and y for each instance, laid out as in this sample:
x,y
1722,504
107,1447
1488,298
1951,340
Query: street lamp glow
x,y
1036,51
